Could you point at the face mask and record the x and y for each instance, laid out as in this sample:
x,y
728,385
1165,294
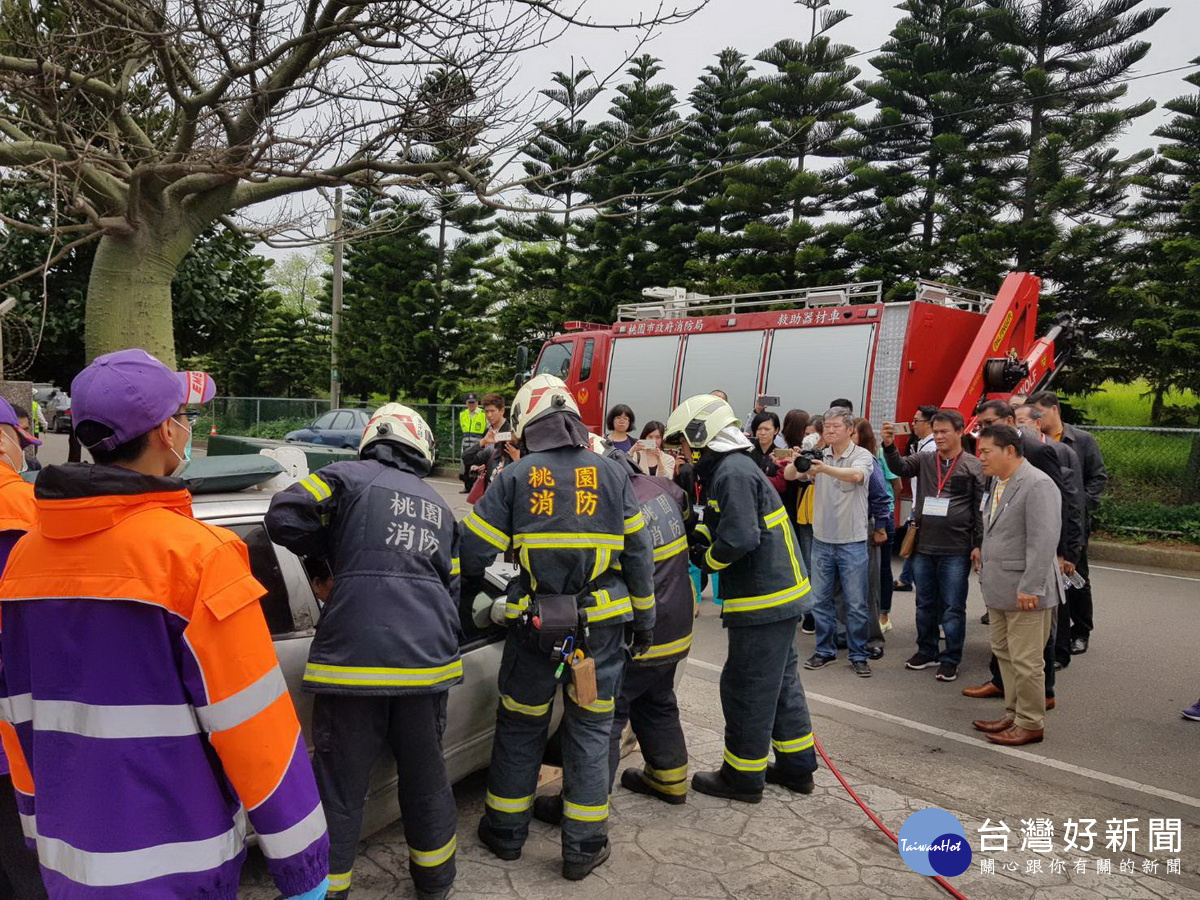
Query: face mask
x,y
187,452
24,467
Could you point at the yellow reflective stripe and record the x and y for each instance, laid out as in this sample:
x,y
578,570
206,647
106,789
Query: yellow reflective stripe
x,y
317,487
780,515
514,610
667,776
571,540
658,651
608,608
746,765
489,533
455,566
715,506
666,551
524,708
702,529
509,804
431,858
643,603
712,562
581,813
795,745
340,881
597,706
603,560
634,523
378,676
765,601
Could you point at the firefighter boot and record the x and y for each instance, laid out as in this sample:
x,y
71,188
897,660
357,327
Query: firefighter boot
x,y
799,782
577,871
490,840
548,808
636,781
715,785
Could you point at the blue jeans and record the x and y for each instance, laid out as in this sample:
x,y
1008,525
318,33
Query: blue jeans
x,y
844,564
941,585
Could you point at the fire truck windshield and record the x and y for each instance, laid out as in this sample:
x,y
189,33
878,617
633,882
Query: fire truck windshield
x,y
555,360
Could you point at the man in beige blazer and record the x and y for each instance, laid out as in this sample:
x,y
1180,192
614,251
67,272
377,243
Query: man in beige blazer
x,y
1022,512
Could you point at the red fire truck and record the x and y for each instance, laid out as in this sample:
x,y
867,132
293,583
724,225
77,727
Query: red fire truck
x,y
947,346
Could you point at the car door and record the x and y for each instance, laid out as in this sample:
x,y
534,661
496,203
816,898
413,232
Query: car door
x,y
342,433
315,433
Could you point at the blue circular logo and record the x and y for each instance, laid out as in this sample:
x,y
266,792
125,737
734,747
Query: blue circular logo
x,y
934,842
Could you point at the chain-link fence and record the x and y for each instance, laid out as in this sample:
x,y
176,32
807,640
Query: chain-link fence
x,y
1153,481
259,416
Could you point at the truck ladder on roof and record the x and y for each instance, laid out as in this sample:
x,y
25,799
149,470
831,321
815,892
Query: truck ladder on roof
x,y
798,298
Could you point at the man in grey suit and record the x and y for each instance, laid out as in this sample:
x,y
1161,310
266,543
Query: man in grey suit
x,y
1022,516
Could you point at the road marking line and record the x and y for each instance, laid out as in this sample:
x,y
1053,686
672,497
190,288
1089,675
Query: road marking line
x,y
1152,574
984,745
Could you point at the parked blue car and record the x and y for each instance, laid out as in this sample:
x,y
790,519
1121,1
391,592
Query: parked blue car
x,y
336,428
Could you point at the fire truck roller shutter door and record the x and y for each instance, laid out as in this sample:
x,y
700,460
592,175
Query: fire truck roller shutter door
x,y
729,361
642,375
810,365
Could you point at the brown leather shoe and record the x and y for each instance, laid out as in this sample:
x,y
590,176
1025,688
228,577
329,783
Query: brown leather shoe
x,y
1050,702
984,691
1016,737
991,726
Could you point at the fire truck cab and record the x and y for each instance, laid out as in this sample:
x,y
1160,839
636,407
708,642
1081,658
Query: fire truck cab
x,y
947,346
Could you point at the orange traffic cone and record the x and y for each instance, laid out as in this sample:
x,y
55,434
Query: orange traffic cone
x,y
213,430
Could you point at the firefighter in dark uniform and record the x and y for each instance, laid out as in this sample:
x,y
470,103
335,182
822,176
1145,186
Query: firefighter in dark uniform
x,y
386,651
746,537
647,697
587,572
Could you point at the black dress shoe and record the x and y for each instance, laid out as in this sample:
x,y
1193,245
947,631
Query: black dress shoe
x,y
875,653
985,619
577,871
1060,664
1078,646
714,785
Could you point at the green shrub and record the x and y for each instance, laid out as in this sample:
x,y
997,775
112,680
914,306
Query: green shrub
x,y
1149,519
274,429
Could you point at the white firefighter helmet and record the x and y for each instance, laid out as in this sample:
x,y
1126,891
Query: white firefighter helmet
x,y
399,424
540,396
699,419
598,444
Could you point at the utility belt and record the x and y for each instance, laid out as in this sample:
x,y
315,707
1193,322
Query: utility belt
x,y
556,626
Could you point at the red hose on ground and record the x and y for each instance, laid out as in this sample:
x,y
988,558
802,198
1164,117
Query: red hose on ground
x,y
942,882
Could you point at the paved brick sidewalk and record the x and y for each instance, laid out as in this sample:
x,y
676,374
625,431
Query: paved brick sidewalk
x,y
820,847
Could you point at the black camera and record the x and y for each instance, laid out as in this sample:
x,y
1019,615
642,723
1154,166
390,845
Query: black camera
x,y
805,458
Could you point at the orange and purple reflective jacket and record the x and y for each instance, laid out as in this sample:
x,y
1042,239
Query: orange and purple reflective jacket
x,y
150,711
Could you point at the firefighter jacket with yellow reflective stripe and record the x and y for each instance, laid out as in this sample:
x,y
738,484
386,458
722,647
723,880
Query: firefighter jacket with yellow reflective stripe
x,y
753,545
666,510
391,624
575,525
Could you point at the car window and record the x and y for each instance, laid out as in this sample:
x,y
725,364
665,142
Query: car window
x,y
326,421
343,422
361,418
264,564
556,360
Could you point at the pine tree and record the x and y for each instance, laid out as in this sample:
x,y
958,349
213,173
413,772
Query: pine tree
x,y
1161,287
636,175
804,109
928,179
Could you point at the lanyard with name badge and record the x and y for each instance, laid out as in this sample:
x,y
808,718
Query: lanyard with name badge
x,y
939,505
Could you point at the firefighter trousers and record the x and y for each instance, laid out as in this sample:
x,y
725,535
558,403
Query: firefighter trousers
x,y
527,688
647,700
349,735
764,706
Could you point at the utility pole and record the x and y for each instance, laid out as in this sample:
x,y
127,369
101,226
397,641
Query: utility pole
x,y
335,226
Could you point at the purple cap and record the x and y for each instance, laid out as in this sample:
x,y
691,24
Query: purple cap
x,y
132,393
8,416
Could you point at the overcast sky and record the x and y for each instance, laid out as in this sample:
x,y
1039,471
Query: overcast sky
x,y
753,25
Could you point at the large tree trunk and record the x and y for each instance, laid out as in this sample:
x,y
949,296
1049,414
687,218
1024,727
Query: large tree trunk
x,y
129,295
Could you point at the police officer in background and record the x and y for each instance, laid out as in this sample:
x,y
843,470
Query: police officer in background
x,y
647,697
386,651
587,571
473,424
746,537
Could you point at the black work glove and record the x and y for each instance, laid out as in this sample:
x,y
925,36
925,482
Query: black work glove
x,y
698,545
642,641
